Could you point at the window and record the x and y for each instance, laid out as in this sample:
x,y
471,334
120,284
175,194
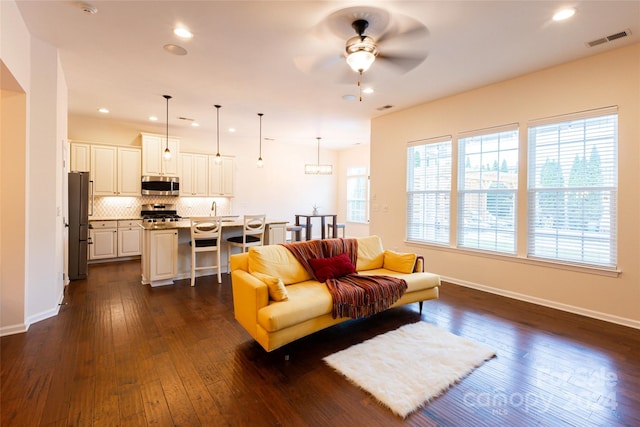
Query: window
x,y
488,189
429,190
357,194
573,188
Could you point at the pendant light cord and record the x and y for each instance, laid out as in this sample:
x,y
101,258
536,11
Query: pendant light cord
x,y
218,127
318,138
167,97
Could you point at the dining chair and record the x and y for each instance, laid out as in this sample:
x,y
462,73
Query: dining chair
x,y
252,234
205,237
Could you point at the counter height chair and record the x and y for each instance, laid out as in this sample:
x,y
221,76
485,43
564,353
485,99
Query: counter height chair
x,y
205,237
252,235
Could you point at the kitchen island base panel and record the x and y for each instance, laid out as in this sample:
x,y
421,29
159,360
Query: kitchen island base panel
x,y
154,258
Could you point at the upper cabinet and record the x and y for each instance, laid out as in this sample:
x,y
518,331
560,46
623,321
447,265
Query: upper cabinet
x,y
193,174
220,177
80,157
115,171
153,161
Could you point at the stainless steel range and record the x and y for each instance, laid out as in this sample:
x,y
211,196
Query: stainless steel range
x,y
159,213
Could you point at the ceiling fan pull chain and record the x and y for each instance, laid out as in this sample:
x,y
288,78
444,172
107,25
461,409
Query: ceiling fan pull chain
x,y
360,85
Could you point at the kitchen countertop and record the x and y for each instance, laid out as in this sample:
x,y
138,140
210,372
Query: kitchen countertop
x,y
186,223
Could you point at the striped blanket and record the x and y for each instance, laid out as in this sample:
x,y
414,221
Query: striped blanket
x,y
353,295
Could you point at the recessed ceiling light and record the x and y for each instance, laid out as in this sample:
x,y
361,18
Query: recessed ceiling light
x,y
367,90
153,118
348,97
103,110
195,124
175,49
563,14
232,130
183,33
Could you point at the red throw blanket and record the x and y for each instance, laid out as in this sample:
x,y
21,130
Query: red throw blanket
x,y
353,295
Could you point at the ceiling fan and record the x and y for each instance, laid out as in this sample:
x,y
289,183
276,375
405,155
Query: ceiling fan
x,y
396,41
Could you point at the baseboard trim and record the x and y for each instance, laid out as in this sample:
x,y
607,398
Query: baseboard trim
x,y
547,303
13,329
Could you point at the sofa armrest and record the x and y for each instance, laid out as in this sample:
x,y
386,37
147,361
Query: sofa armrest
x,y
250,294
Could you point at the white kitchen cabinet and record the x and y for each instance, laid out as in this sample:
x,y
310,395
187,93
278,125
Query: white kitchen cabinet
x,y
104,170
153,161
193,174
129,171
221,177
104,240
129,238
80,157
115,171
159,257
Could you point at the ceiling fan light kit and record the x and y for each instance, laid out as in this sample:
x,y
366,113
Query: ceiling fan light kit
x,y
361,50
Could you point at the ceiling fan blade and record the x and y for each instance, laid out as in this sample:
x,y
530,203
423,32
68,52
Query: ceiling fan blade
x,y
404,30
316,63
402,63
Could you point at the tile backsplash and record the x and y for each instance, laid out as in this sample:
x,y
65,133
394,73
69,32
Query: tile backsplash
x,y
130,207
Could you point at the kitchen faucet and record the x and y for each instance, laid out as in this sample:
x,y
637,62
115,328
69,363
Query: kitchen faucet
x,y
214,208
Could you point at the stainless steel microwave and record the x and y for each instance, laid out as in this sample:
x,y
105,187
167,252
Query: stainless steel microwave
x,y
160,186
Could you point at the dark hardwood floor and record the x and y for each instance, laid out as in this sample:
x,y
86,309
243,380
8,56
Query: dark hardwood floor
x,y
123,354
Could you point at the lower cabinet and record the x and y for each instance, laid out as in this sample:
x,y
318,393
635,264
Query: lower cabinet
x,y
104,240
113,239
276,233
159,257
129,238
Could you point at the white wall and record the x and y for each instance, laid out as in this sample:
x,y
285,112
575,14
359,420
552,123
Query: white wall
x,y
280,189
607,79
31,246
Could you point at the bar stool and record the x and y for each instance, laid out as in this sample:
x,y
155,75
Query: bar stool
x,y
252,235
295,232
205,237
339,225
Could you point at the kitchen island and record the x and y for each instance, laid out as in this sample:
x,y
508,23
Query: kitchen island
x,y
166,254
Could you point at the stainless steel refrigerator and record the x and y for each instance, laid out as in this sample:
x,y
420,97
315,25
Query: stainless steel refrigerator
x,y
78,224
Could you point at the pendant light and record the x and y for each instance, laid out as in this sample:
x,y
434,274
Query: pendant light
x,y
218,158
167,152
260,162
318,169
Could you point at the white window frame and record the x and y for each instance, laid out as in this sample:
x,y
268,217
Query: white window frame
x,y
358,176
487,196
562,233
428,196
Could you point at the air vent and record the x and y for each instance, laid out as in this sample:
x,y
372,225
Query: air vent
x,y
609,38
186,118
385,107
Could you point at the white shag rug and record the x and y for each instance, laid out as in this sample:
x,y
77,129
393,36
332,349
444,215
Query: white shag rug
x,y
409,366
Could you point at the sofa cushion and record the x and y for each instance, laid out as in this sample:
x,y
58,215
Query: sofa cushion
x,y
415,281
402,263
332,267
370,253
277,261
307,300
277,290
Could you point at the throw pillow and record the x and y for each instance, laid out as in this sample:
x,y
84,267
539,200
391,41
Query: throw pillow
x,y
402,263
277,290
332,268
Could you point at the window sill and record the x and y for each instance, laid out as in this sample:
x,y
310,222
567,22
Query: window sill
x,y
515,258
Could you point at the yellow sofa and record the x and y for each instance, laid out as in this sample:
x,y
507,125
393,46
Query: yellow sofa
x,y
308,307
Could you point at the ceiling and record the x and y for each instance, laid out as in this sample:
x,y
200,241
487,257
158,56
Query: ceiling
x,y
285,58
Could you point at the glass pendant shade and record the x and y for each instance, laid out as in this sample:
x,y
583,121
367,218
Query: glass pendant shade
x,y
318,169
361,60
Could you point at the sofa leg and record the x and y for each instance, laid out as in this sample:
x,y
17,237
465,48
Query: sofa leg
x,y
420,306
